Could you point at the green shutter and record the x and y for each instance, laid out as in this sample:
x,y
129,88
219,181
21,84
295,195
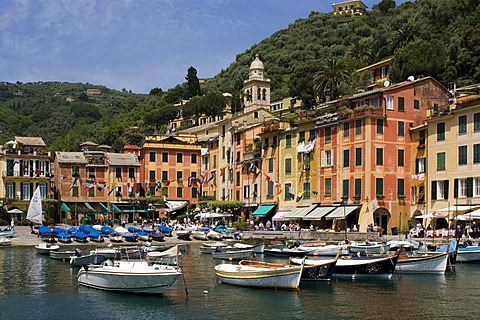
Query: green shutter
x,y
470,187
445,184
434,190
455,188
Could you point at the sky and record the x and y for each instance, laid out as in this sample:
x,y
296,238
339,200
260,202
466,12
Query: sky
x,y
136,45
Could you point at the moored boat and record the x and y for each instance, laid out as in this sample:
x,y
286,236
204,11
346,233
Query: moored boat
x,y
366,247
62,255
46,248
427,263
183,234
260,275
89,259
4,242
232,254
8,232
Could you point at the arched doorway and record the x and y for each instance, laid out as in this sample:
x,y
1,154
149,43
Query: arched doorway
x,y
381,216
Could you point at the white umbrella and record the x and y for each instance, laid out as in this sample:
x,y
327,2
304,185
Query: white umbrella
x,y
14,211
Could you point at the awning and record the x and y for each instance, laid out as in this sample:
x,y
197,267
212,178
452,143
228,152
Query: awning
x,y
262,210
431,216
130,210
458,208
341,212
280,216
89,207
65,208
300,212
319,212
104,207
213,215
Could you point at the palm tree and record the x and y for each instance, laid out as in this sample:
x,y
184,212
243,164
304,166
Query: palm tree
x,y
328,80
360,51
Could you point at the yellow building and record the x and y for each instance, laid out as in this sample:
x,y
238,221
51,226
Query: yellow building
x,y
354,7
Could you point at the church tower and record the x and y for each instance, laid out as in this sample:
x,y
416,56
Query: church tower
x,y
257,88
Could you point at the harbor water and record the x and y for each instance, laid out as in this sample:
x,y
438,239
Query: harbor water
x,y
37,287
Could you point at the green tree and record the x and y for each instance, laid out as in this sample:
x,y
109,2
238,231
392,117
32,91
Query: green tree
x,y
385,5
328,80
215,103
194,108
193,84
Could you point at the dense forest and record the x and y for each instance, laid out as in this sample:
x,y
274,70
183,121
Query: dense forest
x,y
314,59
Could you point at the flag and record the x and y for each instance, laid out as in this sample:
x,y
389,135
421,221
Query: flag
x,y
291,192
100,186
276,183
251,168
280,190
267,177
180,181
315,193
203,176
212,177
88,185
113,187
299,197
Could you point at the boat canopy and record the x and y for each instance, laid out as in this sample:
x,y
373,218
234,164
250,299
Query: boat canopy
x,y
263,210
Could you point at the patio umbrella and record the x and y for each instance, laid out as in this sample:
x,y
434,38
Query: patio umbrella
x,y
15,211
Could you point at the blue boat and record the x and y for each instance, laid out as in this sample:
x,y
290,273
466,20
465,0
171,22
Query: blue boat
x,y
144,235
80,236
134,229
8,232
166,230
106,230
47,234
157,236
130,237
86,229
95,236
64,237
72,230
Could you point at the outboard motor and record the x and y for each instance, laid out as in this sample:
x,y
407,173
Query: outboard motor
x,y
78,252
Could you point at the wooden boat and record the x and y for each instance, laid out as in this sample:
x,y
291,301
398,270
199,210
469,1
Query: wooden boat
x,y
130,237
427,263
62,255
157,236
129,276
64,237
257,274
286,252
80,236
325,249
96,236
232,254
317,269
366,266
45,248
106,230
214,235
257,248
47,234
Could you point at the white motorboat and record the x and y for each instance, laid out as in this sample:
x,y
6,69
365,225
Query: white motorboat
x,y
366,247
232,253
427,263
214,235
257,248
319,249
199,235
108,252
136,276
46,248
260,275
4,242
62,255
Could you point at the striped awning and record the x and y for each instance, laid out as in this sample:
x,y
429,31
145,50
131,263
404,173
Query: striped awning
x,y
299,212
263,210
341,212
319,212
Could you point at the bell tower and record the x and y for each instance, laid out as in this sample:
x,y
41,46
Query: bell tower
x,y
257,88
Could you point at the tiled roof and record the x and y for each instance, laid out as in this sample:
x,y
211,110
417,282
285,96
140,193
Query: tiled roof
x,y
31,141
70,157
122,159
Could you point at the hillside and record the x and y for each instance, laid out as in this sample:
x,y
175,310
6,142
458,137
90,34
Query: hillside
x,y
425,37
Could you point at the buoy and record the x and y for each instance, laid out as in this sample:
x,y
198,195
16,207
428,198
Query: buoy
x,y
205,291
230,259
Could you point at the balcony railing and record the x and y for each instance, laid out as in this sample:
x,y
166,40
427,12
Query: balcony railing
x,y
21,174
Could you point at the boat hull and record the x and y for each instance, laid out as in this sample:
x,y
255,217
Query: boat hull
x,y
62,255
282,277
366,266
94,259
45,248
423,264
134,277
468,254
233,254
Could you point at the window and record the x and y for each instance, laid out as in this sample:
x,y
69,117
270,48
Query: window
x,y
164,156
152,156
358,127
288,188
301,137
327,158
288,166
131,173
246,192
401,188
380,126
420,165
358,188
10,190
306,161
416,104
441,161
306,190
328,135
476,153
270,189
379,156
440,190
179,192
401,157
265,143
401,104
346,158
462,124
91,173
462,188
476,122
118,172
328,186
74,191
274,142
152,175
383,72
379,187
346,129
441,131
401,128
476,187
179,157
164,175
346,187
312,135
358,156
288,140
91,192
193,157
462,155
76,171
25,191
194,192
389,103
270,165
214,162
421,138
179,176
237,179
